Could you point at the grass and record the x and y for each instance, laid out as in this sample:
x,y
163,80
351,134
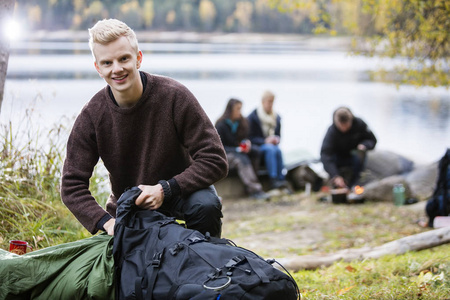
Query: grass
x,y
31,210
30,202
417,275
300,225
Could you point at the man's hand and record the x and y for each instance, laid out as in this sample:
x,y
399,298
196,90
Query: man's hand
x,y
152,196
361,147
109,226
339,182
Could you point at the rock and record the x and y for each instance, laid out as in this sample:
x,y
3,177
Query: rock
x,y
422,181
419,183
381,190
381,164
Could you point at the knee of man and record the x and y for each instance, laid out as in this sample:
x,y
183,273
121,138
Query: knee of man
x,y
211,208
205,216
207,203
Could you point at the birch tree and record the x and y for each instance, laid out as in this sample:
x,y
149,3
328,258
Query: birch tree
x,y
6,10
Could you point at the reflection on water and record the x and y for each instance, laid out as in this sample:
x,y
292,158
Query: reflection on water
x,y
75,48
436,111
308,85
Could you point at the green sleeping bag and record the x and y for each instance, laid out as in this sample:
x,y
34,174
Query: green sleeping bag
x,y
79,270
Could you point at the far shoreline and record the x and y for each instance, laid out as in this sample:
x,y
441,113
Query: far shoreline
x,y
313,42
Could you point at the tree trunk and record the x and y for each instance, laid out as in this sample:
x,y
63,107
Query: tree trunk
x,y
6,10
415,242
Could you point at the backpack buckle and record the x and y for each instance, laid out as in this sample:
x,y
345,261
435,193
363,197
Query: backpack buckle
x,y
156,261
234,261
178,247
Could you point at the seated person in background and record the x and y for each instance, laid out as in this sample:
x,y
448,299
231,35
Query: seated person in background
x,y
344,147
265,128
233,131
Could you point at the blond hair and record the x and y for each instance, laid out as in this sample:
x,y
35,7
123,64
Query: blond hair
x,y
267,95
109,30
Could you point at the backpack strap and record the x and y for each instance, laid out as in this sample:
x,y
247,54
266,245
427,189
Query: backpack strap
x,y
138,288
156,263
259,271
172,291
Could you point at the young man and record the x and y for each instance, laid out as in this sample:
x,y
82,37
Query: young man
x,y
344,147
264,132
149,131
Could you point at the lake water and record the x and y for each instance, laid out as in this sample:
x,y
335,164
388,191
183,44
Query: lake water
x,y
57,79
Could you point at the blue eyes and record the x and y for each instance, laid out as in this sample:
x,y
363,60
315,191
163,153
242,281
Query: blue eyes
x,y
108,63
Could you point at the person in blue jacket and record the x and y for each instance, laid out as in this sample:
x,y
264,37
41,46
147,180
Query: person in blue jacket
x,y
264,133
344,147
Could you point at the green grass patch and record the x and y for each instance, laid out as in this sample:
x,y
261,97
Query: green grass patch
x,y
416,275
30,201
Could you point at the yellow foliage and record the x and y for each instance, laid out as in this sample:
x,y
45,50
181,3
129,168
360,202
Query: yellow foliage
x,y
131,6
52,2
171,16
148,12
96,8
207,11
262,5
77,20
34,14
78,5
416,29
243,14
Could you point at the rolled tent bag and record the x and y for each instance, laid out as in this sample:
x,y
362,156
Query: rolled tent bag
x,y
79,270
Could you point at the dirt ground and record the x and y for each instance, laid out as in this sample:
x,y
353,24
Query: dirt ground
x,y
298,224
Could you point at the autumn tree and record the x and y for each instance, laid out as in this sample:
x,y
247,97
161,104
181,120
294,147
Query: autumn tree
x,y
148,13
6,10
207,12
242,17
416,31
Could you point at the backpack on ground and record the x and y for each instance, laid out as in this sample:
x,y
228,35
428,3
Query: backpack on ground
x,y
439,203
157,258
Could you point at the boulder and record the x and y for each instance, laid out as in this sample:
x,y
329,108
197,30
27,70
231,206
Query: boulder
x,y
419,184
381,190
422,181
382,163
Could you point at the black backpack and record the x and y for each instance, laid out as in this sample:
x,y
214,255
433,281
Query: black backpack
x,y
157,258
439,203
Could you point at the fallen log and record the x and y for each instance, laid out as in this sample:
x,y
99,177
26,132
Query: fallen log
x,y
415,242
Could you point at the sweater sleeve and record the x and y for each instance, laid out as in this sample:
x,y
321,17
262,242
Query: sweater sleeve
x,y
199,136
81,158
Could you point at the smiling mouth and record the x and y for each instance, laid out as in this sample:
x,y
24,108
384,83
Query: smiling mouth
x,y
120,78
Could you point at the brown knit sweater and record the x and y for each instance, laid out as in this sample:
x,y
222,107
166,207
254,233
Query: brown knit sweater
x,y
166,135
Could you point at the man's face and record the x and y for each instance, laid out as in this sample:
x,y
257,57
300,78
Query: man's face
x,y
344,127
118,63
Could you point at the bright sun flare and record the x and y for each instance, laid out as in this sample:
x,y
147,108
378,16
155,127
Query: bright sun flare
x,y
12,30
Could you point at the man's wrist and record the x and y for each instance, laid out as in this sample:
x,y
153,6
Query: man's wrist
x,y
174,187
100,224
167,191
